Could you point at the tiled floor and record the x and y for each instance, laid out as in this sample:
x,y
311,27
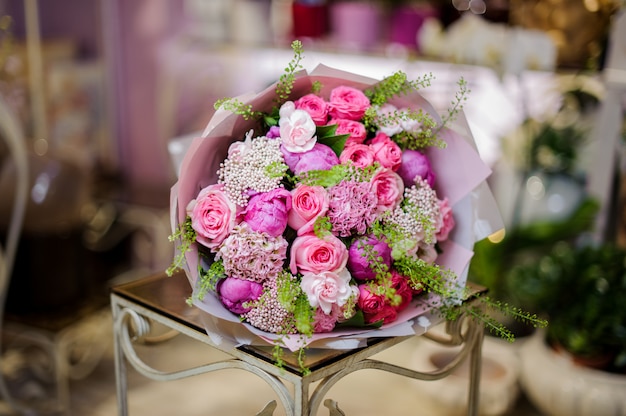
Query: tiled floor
x,y
233,392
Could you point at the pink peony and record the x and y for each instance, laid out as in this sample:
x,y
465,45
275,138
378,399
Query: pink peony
x,y
267,212
320,157
375,307
297,129
310,253
315,106
308,203
273,132
348,102
358,262
236,293
446,220
327,288
388,188
360,155
386,151
355,129
212,215
414,164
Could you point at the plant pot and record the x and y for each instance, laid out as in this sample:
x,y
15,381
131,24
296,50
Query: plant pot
x,y
309,20
405,23
356,25
558,386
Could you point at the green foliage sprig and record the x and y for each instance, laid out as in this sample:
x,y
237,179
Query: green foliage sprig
x,y
458,102
207,280
287,79
283,90
336,174
395,85
186,236
237,107
442,283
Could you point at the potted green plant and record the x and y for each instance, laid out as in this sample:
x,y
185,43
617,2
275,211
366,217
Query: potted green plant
x,y
577,366
582,292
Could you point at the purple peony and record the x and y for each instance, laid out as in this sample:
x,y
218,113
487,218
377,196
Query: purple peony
x,y
268,211
320,157
359,263
415,164
273,133
235,293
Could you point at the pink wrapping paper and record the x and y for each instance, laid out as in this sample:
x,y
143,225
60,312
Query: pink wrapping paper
x,y
461,175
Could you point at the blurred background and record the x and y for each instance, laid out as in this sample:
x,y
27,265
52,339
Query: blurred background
x,y
106,93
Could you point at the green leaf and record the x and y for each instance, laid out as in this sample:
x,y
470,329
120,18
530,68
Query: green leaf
x,y
336,143
358,321
325,131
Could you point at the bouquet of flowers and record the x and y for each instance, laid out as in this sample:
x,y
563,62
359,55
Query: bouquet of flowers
x,y
328,207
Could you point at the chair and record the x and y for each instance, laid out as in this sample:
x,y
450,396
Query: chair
x,y
11,132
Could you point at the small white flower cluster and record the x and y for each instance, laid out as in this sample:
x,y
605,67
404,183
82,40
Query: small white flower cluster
x,y
247,169
269,314
419,215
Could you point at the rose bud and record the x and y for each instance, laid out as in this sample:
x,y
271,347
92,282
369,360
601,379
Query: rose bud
x,y
375,307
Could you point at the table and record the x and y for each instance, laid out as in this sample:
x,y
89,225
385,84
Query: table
x,y
159,298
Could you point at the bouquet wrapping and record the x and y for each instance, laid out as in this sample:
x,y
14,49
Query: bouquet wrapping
x,y
338,288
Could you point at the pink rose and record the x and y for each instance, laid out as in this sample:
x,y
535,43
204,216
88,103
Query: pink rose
x,y
312,254
315,106
389,189
308,203
359,154
403,290
268,211
320,157
347,102
375,307
414,164
355,129
326,289
388,124
359,264
386,151
446,220
212,216
235,293
297,129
